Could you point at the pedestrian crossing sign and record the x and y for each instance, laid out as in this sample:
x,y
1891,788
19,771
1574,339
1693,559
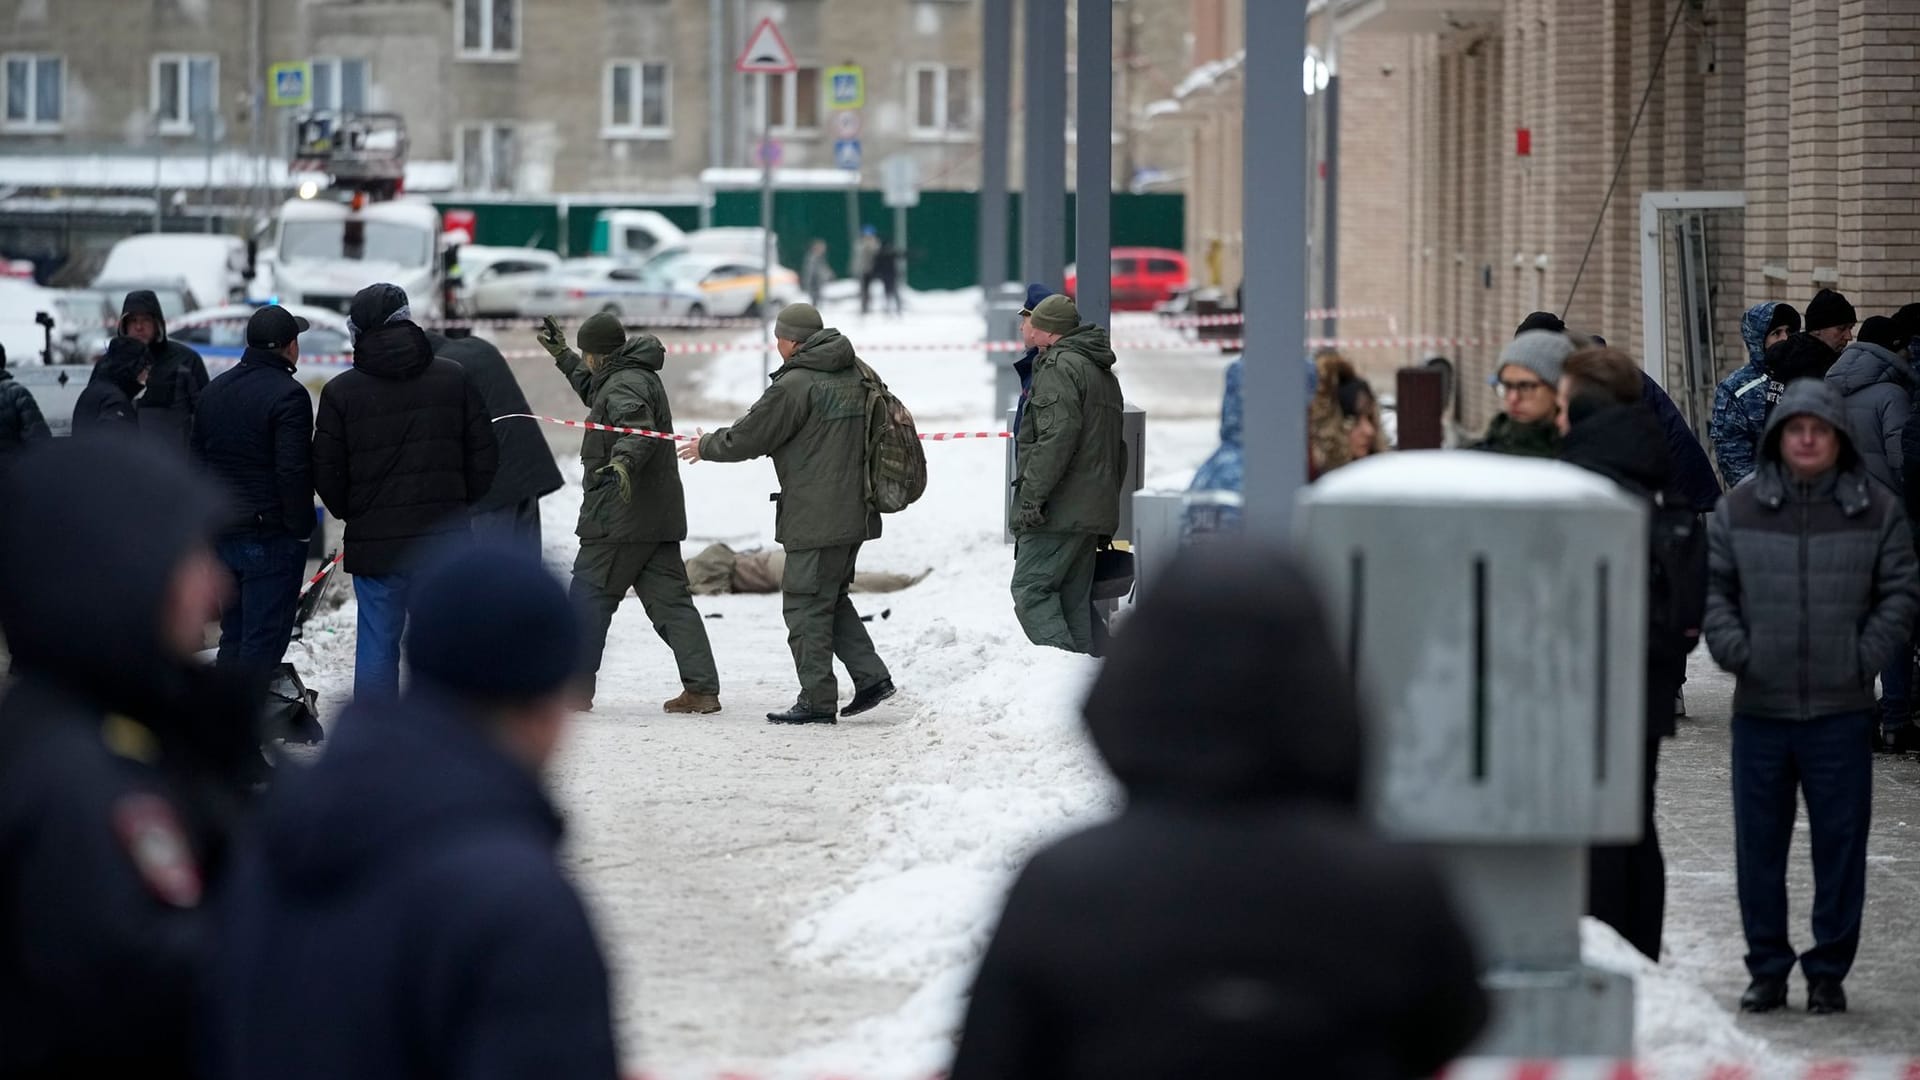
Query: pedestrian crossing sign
x,y
290,84
846,87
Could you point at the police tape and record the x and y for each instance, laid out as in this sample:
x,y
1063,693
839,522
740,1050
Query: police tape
x,y
940,436
1236,318
321,573
1866,1068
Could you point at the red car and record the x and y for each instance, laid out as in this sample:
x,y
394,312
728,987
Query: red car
x,y
1142,277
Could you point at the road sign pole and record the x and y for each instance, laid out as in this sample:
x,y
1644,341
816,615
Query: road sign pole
x,y
766,223
997,63
1093,154
1043,205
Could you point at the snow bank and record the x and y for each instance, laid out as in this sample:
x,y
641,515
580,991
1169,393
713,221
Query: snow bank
x,y
1678,1026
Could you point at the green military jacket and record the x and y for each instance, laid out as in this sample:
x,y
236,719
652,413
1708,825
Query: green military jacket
x,y
1071,453
813,422
626,392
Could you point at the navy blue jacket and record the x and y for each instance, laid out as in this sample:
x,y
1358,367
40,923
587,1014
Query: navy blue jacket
x,y
1023,367
254,432
400,916
1692,472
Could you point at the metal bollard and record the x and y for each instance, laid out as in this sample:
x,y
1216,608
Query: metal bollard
x,y
1494,613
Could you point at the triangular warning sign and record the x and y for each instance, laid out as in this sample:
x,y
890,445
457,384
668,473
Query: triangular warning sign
x,y
766,52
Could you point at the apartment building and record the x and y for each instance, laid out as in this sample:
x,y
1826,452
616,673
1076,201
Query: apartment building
x,y
1478,139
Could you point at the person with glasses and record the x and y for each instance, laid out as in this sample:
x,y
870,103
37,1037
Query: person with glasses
x,y
1528,382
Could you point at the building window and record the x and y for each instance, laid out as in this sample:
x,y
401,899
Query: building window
x,y
489,157
793,101
942,101
184,93
35,89
637,100
489,28
339,84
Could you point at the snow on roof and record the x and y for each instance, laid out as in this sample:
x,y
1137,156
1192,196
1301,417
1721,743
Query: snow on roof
x,y
116,205
97,171
1163,107
1432,477
729,179
1209,75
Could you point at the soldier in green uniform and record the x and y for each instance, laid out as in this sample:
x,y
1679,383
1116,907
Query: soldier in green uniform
x,y
1072,462
634,514
813,422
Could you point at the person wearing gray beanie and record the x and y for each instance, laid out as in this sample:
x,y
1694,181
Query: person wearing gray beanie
x,y
1529,381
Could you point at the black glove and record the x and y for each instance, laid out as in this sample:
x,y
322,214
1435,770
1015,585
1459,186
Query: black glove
x,y
552,338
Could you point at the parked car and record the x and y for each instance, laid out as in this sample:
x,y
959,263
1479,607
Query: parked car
x,y
214,269
691,284
581,287
83,320
1141,278
494,280
219,334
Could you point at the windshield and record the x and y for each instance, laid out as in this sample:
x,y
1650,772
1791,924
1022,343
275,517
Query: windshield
x,y
369,241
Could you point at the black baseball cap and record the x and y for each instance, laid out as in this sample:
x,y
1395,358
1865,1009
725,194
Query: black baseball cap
x,y
273,326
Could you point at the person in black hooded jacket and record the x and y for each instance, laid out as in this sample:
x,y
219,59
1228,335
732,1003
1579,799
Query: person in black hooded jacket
x,y
123,766
400,913
402,450
178,374
1609,430
527,473
1239,918
107,401
20,419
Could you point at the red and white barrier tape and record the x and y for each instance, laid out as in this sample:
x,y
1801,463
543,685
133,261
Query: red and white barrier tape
x,y
673,322
322,572
1236,318
1603,1069
941,436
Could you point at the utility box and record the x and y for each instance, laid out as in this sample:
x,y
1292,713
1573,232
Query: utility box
x,y
1166,521
1133,429
1493,610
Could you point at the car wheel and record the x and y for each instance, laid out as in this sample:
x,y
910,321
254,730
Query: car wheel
x,y
696,312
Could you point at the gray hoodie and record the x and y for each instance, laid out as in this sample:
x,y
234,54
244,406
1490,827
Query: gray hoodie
x,y
1812,586
1878,385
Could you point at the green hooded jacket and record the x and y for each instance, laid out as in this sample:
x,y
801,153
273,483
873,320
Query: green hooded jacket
x,y
813,422
626,392
1071,451
1505,435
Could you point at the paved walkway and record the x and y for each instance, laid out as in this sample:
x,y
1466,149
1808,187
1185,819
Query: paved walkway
x,y
1703,938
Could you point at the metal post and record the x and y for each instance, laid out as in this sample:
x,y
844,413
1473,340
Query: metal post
x,y
159,161
207,191
996,65
716,86
1093,159
1330,205
1274,222
1044,204
766,224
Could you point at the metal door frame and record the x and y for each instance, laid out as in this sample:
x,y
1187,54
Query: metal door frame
x,y
1653,320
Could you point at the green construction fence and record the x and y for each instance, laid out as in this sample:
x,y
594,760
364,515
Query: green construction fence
x,y
942,246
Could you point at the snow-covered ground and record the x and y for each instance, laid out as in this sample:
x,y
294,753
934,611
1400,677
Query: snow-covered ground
x,y
810,902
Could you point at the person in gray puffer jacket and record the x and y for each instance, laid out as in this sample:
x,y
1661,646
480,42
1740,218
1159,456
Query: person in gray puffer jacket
x,y
1877,381
1812,588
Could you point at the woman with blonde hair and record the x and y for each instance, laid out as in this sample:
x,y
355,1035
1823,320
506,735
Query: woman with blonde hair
x,y
1343,419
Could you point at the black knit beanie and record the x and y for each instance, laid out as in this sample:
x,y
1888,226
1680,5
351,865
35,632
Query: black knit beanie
x,y
1828,310
1785,315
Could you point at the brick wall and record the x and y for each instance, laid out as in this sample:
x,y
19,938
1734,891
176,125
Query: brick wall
x,y
1878,222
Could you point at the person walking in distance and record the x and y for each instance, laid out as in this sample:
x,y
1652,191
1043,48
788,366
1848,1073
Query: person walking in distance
x,y
1812,587
812,421
634,514
401,912
815,273
866,256
254,433
1071,463
402,449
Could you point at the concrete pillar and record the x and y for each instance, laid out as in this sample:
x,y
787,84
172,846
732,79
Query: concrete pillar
x,y
1878,221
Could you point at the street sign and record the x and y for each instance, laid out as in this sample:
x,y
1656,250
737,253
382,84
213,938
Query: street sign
x,y
846,88
900,180
769,152
766,52
846,154
846,125
290,84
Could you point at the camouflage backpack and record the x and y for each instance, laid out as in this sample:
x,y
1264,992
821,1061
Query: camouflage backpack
x,y
896,462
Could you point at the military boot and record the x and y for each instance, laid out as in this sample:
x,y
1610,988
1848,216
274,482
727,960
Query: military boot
x,y
694,703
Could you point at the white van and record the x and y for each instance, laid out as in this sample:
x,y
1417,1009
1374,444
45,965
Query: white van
x,y
214,268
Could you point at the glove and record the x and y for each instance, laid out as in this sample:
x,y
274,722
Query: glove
x,y
552,338
619,471
1029,516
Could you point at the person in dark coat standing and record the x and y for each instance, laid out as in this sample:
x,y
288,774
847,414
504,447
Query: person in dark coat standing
x,y
1813,587
633,515
402,450
107,401
254,432
511,507
1023,367
123,764
1239,918
20,419
401,912
1609,430
178,376
812,421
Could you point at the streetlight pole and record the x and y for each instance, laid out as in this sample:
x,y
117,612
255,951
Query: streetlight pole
x,y
1093,161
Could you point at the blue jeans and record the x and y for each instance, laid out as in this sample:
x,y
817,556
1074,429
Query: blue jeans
x,y
1830,760
382,621
266,569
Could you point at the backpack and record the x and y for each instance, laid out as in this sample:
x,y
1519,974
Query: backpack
x,y
896,462
1676,578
